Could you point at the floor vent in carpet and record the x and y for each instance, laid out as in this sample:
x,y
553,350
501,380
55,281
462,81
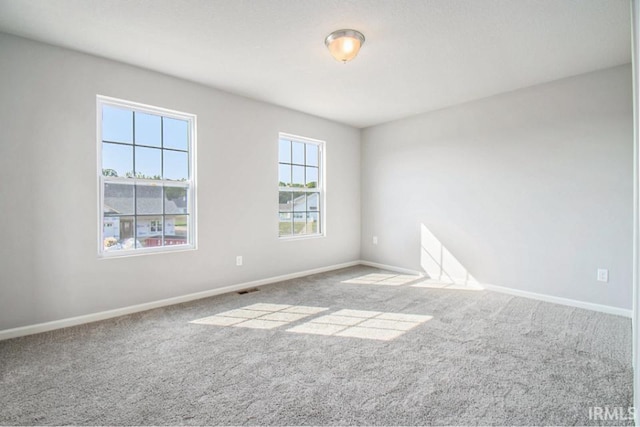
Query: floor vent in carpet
x,y
247,291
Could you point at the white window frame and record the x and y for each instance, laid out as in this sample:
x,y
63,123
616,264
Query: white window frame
x,y
190,184
321,188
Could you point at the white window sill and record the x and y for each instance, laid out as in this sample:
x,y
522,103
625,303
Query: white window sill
x,y
146,251
303,237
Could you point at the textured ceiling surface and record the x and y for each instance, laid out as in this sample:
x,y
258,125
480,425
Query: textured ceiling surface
x,y
419,55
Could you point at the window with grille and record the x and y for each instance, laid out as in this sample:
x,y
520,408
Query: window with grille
x,y
301,193
146,178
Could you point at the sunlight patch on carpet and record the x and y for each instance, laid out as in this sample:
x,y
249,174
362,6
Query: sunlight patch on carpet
x,y
451,286
365,324
261,316
383,279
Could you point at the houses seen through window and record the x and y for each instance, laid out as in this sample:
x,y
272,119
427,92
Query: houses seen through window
x,y
146,177
300,186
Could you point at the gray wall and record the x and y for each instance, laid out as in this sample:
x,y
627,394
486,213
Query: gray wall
x,y
48,252
530,190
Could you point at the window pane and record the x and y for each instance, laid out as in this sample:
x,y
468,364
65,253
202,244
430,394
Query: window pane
x,y
284,175
116,231
297,179
148,163
148,199
313,201
286,225
148,129
176,165
175,200
175,133
117,124
118,199
299,223
148,231
312,155
313,224
299,208
286,201
311,177
176,230
143,143
298,152
284,151
299,202
117,160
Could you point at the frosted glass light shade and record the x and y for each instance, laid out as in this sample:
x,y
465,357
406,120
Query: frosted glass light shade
x,y
344,45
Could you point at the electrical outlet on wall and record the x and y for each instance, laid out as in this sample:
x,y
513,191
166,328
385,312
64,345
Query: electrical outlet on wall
x,y
603,275
239,260
375,240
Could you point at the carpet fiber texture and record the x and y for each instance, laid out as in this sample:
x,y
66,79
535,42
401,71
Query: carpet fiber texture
x,y
354,358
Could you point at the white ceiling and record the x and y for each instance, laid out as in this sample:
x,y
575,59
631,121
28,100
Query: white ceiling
x,y
419,55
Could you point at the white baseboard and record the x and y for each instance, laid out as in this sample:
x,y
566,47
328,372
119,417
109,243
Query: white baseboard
x,y
391,268
94,317
525,294
559,300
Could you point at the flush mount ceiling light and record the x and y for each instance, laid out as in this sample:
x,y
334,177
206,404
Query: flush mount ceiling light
x,y
344,44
